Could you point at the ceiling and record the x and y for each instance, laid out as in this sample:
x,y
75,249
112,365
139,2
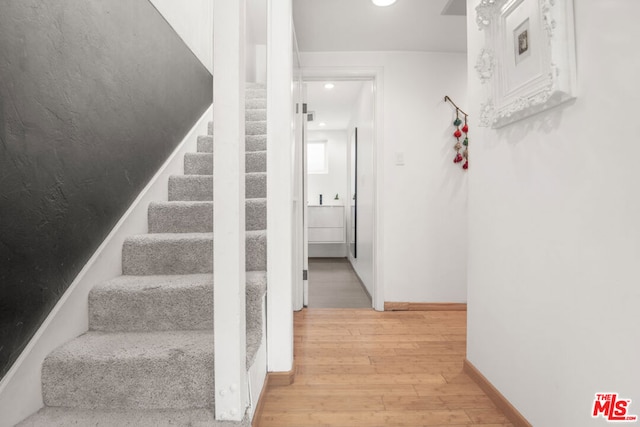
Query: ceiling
x,y
358,25
332,107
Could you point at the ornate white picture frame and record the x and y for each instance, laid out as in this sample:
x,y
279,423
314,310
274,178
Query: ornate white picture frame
x,y
528,63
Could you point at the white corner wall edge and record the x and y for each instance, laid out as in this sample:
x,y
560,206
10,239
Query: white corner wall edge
x,y
20,389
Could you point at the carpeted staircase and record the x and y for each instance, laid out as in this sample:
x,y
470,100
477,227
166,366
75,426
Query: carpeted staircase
x,y
148,357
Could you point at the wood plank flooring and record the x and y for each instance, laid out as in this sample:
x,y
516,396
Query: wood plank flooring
x,y
358,367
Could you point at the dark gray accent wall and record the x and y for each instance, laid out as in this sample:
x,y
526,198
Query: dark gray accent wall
x,y
94,96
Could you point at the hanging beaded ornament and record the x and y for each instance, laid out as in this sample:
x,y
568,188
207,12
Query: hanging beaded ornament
x,y
457,134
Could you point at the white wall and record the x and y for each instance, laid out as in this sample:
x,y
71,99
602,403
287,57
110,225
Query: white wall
x,y
281,208
424,201
193,21
256,49
329,184
554,243
363,120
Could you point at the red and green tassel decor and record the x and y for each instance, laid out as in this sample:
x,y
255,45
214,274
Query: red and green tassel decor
x,y
457,134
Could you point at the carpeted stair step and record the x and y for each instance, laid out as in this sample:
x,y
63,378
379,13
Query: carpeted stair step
x,y
256,288
200,187
205,143
255,143
152,303
197,217
198,164
202,163
256,250
255,114
256,128
64,417
183,253
167,253
191,187
256,185
256,161
180,217
255,92
256,214
256,103
163,303
146,370
252,143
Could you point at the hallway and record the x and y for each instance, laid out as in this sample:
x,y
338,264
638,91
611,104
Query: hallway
x,y
367,368
334,284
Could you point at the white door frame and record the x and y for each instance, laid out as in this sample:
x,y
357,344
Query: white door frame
x,y
377,75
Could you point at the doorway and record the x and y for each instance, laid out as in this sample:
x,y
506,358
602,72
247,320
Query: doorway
x,y
339,192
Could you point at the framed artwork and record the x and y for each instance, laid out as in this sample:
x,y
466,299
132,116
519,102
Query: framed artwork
x,y
528,62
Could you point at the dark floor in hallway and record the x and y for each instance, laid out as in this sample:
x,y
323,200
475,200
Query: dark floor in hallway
x,y
334,284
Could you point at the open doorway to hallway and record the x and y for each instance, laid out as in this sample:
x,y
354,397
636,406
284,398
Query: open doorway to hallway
x,y
339,192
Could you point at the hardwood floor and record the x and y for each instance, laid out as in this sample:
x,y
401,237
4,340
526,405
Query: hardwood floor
x,y
366,368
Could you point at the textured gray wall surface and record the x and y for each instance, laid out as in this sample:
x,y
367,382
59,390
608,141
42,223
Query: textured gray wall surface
x,y
94,96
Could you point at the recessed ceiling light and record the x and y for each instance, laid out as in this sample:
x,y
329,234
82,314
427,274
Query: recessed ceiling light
x,y
321,124
329,85
383,2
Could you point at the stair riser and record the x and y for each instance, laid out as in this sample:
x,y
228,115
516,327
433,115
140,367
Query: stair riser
x,y
198,164
191,188
255,93
256,161
256,186
256,128
162,309
256,143
200,187
197,217
256,103
256,214
252,143
186,256
179,381
256,114
152,257
256,252
192,217
154,309
202,163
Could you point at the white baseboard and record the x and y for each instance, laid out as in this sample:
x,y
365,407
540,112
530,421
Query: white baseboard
x,y
21,389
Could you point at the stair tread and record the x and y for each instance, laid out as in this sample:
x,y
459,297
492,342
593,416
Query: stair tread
x,y
184,203
149,283
124,346
190,177
63,417
171,281
151,237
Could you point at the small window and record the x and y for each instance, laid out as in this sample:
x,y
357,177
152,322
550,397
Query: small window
x,y
317,157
